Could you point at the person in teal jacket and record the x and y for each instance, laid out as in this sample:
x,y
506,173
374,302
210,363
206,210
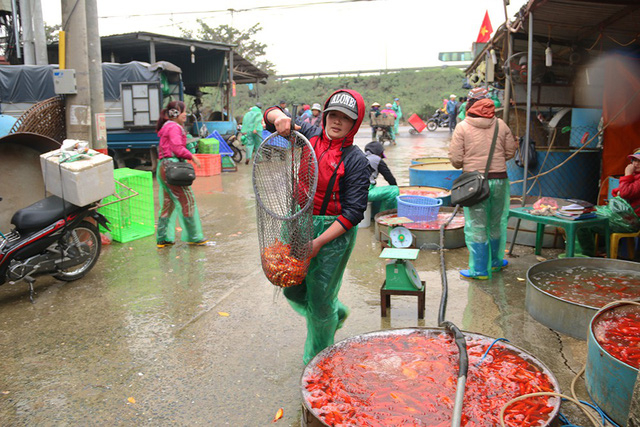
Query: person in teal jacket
x,y
252,130
398,110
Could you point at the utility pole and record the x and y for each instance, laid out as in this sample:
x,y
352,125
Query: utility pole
x,y
39,37
84,109
27,32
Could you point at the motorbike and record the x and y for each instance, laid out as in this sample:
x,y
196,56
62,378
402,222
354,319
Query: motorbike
x,y
439,119
51,237
383,133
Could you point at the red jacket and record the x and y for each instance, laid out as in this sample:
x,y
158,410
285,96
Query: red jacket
x,y
629,189
349,195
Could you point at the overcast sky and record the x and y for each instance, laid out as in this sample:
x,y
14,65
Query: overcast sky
x,y
306,36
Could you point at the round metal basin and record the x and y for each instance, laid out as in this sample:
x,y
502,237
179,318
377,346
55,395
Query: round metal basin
x,y
388,367
435,192
425,160
560,314
609,381
427,238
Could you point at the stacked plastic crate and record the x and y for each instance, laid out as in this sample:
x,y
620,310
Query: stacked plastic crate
x,y
132,218
209,164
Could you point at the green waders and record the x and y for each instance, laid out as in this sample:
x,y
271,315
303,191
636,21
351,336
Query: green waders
x,y
386,195
485,229
177,202
316,298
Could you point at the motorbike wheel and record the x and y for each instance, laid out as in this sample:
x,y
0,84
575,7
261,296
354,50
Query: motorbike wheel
x,y
237,154
83,237
432,125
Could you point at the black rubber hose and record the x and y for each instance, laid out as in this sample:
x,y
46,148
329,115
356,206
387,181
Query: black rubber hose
x,y
461,342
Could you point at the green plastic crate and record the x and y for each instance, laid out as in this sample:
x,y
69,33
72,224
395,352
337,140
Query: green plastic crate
x,y
209,146
133,218
228,165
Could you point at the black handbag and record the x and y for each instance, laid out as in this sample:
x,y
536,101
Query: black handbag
x,y
471,188
179,173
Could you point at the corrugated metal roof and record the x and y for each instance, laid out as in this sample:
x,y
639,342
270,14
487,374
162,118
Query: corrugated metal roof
x,y
574,28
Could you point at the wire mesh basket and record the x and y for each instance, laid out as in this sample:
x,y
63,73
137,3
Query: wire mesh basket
x,y
285,175
418,208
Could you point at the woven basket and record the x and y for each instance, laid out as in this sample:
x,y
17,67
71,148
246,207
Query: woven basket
x,y
44,118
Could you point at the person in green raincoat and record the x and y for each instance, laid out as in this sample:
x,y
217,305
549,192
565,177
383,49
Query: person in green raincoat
x,y
175,201
398,110
485,227
385,194
252,130
338,206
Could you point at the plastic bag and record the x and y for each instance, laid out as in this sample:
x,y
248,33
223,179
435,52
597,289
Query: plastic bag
x,y
622,217
533,157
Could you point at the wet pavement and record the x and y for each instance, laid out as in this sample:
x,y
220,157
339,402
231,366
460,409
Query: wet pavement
x,y
198,336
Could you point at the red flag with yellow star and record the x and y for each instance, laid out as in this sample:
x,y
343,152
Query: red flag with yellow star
x,y
485,30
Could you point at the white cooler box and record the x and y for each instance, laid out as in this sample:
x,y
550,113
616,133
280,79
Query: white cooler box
x,y
83,181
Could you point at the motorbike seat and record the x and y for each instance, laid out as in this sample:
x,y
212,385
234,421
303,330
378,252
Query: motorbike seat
x,y
42,213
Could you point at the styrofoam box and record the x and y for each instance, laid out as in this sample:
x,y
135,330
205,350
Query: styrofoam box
x,y
83,181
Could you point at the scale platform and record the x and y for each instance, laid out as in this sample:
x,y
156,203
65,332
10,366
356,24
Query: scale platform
x,y
400,253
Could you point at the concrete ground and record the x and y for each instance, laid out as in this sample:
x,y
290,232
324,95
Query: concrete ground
x,y
198,336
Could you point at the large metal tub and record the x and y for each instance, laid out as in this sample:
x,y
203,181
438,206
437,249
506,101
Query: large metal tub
x,y
609,381
424,191
425,160
453,237
309,416
561,315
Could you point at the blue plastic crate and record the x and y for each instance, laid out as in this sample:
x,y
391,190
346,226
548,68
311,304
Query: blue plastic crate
x,y
418,208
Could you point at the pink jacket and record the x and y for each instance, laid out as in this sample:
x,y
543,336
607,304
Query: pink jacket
x,y
471,143
173,141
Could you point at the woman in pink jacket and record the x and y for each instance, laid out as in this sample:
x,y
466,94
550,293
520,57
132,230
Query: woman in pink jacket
x,y
173,148
485,226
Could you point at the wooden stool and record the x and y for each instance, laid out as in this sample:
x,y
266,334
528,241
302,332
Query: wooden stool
x,y
385,299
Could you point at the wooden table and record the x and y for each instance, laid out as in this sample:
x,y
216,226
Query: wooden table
x,y
571,227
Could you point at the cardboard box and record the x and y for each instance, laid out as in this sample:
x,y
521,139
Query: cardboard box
x,y
80,182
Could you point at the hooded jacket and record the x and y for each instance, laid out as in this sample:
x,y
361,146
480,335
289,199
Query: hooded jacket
x,y
471,141
349,194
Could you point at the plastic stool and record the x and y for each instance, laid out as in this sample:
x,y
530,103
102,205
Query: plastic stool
x,y
385,299
615,242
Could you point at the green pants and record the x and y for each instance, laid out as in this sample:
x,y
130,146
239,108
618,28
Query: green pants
x,y
316,298
253,141
386,195
485,229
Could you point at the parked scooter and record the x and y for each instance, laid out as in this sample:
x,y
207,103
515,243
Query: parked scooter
x,y
51,237
439,119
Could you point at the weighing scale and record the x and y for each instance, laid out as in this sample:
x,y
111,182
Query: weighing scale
x,y
401,275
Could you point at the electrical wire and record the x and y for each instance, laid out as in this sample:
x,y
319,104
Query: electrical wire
x,y
231,10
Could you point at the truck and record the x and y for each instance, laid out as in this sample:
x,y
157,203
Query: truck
x,y
134,95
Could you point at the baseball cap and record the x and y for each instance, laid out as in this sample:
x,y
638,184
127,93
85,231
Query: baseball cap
x,y
316,106
478,93
452,96
305,107
345,103
259,105
635,154
282,101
